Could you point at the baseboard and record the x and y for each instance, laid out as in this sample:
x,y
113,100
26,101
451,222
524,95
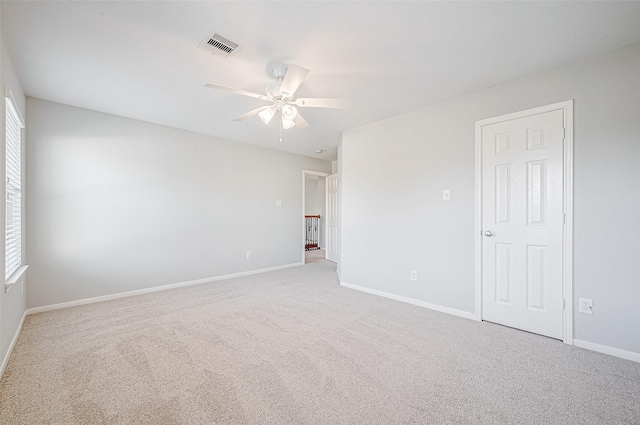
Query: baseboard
x,y
436,307
5,361
616,352
110,297
605,349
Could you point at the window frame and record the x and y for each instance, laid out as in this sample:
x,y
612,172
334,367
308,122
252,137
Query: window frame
x,y
14,123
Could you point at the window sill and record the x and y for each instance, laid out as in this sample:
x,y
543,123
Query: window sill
x,y
15,278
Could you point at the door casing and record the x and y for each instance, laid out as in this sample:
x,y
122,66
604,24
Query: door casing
x,y
332,217
567,238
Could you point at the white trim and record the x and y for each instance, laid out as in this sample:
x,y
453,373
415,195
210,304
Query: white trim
x,y
316,173
5,361
605,349
478,223
15,277
110,297
567,236
304,206
14,105
436,307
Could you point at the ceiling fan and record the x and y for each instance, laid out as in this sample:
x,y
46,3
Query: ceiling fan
x,y
281,96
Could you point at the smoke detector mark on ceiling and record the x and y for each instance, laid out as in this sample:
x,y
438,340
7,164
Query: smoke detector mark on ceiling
x,y
219,45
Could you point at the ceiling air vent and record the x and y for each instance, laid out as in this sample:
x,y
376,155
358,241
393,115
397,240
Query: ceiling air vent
x,y
219,45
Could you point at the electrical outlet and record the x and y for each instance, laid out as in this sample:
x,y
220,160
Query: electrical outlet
x,y
585,305
248,255
414,275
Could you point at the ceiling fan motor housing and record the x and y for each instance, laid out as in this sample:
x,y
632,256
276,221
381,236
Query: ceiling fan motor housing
x,y
273,90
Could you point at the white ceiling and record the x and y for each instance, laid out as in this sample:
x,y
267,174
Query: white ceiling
x,y
140,59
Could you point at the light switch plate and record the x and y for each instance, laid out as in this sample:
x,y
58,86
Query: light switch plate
x,y
446,195
279,203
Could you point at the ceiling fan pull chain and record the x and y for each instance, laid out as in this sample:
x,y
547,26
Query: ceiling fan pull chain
x,y
281,127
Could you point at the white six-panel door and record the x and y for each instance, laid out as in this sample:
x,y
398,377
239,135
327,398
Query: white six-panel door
x,y
522,219
332,218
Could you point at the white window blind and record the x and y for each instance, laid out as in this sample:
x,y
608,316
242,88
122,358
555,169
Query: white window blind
x,y
13,226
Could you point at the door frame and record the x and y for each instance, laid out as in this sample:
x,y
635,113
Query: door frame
x,y
306,173
567,233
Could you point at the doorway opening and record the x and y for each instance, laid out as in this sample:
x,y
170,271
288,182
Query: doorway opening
x,y
314,206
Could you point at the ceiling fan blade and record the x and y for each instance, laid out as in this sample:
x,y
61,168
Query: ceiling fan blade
x,y
300,122
293,78
318,102
236,91
250,113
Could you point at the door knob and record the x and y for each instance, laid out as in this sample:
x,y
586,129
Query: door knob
x,y
488,233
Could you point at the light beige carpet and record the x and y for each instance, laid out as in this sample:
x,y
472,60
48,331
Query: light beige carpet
x,y
293,347
314,255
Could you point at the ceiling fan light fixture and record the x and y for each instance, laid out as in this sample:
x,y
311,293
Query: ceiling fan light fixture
x,y
267,114
287,123
289,112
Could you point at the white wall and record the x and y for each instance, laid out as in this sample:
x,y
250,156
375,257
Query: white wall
x,y
393,173
311,206
12,304
117,205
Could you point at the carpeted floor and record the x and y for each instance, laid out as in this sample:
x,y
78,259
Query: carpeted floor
x,y
314,255
293,347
